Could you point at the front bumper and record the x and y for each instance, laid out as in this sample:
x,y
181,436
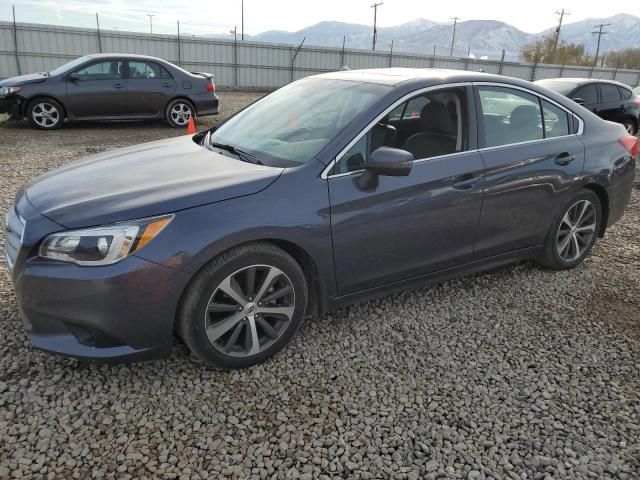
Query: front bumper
x,y
11,105
114,313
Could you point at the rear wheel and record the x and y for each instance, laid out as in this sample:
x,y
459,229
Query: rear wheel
x,y
244,306
45,114
574,232
178,113
630,126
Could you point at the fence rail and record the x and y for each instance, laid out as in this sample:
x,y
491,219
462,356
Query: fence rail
x,y
238,64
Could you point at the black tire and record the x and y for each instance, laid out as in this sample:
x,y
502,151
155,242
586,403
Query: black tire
x,y
45,114
630,126
551,257
194,317
179,121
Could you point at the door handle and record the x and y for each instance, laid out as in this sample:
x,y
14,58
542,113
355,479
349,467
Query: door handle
x,y
118,85
466,182
564,158
166,84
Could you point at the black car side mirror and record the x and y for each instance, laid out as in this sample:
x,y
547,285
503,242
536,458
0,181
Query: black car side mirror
x,y
578,100
392,162
74,77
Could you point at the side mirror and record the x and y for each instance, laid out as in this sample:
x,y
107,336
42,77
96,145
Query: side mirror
x,y
579,101
391,162
74,77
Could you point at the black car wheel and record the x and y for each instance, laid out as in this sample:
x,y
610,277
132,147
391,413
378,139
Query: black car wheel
x,y
178,113
574,232
45,114
244,306
630,126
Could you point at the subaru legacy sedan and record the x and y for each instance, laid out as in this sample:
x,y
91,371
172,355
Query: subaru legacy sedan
x,y
332,190
109,86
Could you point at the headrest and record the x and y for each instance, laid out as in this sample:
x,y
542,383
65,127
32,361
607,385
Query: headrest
x,y
524,116
435,118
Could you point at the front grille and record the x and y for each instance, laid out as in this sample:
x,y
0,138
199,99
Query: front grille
x,y
14,229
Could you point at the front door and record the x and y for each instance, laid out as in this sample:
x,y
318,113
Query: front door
x,y
97,90
408,226
532,158
149,88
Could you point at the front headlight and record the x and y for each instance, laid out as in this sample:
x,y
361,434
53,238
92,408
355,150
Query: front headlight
x,y
102,245
6,91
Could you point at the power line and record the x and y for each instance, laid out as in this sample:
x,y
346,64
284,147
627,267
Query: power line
x,y
375,19
453,38
555,43
599,33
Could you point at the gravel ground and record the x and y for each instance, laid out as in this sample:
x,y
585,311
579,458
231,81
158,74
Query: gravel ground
x,y
518,373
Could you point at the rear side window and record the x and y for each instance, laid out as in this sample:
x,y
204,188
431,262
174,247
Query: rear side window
x,y
609,93
625,93
509,116
147,70
556,120
588,93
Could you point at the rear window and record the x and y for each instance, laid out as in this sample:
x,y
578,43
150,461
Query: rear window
x,y
588,93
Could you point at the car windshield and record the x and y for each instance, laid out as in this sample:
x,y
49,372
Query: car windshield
x,y
290,126
69,65
563,88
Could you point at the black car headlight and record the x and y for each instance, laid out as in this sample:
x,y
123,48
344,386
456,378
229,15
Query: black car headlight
x,y
102,245
6,91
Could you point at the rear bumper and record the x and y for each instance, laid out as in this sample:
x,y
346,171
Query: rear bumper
x,y
205,103
622,179
116,313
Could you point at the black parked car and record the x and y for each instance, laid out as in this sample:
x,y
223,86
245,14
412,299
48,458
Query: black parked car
x,y
329,191
610,100
109,87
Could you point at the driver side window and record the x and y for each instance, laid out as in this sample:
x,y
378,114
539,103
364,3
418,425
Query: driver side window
x,y
428,125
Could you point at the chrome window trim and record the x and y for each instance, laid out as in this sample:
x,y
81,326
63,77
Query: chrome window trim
x,y
325,173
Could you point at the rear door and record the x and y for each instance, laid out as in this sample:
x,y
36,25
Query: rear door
x,y
589,94
149,88
532,158
97,89
611,103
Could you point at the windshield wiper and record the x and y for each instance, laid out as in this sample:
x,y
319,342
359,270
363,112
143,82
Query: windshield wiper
x,y
241,154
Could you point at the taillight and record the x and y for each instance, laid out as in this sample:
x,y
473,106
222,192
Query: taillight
x,y
636,100
630,143
211,87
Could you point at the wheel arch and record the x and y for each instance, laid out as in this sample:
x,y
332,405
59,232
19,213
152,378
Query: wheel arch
x,y
603,196
28,101
180,97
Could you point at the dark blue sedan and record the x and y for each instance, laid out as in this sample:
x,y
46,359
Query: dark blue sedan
x,y
332,190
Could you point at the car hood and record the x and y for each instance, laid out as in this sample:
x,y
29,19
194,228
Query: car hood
x,y
23,79
143,180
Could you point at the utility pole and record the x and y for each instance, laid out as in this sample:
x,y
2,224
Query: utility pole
x,y
99,40
453,38
562,13
599,33
151,15
242,27
375,20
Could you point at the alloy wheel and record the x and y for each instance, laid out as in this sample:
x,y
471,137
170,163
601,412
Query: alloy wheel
x,y
249,310
45,115
576,231
180,113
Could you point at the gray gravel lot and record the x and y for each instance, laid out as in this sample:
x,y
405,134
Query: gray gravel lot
x,y
518,373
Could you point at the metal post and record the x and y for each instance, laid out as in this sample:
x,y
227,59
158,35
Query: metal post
x,y
293,58
638,80
533,71
433,58
179,53
344,39
242,37
235,57
99,40
615,73
501,63
391,55
15,40
562,71
466,63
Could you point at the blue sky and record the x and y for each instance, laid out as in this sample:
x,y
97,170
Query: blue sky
x,y
217,16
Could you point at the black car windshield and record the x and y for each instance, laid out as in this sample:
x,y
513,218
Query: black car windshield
x,y
290,126
563,88
69,65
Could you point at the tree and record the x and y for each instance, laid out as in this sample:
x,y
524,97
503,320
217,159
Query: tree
x,y
542,51
625,58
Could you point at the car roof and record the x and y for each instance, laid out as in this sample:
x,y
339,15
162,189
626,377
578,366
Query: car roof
x,y
125,55
395,76
582,81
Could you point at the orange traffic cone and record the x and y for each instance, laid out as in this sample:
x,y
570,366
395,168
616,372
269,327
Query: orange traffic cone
x,y
191,127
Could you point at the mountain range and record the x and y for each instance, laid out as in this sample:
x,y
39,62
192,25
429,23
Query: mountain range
x,y
482,38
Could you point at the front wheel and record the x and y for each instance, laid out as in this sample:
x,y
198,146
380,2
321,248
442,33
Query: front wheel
x,y
244,306
574,232
45,114
178,113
